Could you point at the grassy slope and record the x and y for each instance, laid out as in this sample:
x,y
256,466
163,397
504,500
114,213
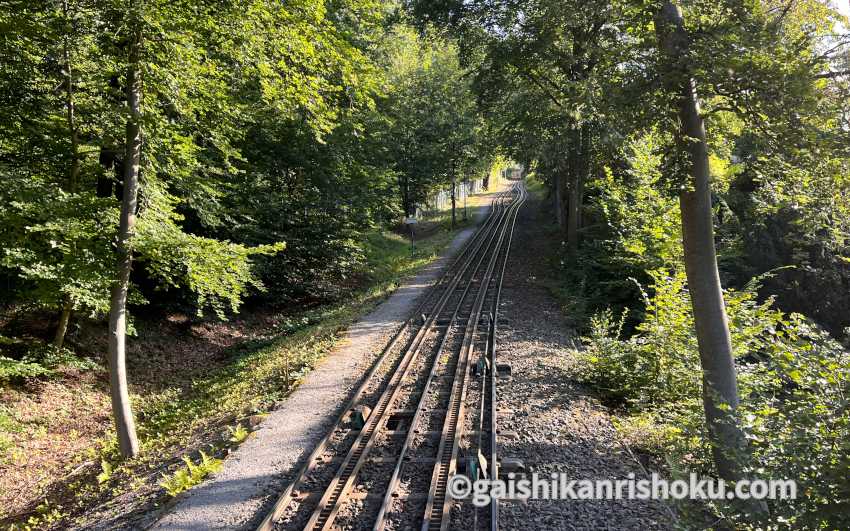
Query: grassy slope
x,y
59,445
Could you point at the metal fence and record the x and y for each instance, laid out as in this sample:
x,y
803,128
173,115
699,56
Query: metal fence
x,y
442,199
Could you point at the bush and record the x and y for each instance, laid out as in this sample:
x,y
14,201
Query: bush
x,y
41,360
794,384
187,477
51,357
654,365
17,370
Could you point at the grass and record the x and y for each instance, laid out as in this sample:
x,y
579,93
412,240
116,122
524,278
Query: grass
x,y
535,186
9,428
206,413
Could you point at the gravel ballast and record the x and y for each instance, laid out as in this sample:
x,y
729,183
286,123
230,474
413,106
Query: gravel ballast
x,y
558,425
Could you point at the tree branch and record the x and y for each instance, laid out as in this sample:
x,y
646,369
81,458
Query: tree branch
x,y
833,75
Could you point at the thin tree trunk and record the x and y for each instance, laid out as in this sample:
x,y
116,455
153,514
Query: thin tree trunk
x,y
573,204
74,168
124,424
62,327
586,163
720,391
454,199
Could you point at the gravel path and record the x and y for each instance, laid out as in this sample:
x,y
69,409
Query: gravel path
x,y
560,426
237,497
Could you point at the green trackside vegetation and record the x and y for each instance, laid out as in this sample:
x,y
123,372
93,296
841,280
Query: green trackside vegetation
x,y
696,157
184,431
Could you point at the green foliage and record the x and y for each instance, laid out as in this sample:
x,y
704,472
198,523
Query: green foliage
x,y
45,515
8,426
51,357
435,133
219,273
16,370
633,229
644,216
662,354
239,434
797,415
193,473
41,360
106,470
794,382
58,243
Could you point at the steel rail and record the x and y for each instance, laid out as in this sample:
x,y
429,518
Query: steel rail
x,y
380,521
488,390
494,430
343,482
463,257
437,509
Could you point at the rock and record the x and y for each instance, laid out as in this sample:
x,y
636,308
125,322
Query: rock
x,y
254,421
511,465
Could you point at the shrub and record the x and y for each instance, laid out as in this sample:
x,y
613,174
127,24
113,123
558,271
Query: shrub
x,y
187,477
656,364
794,384
41,360
16,370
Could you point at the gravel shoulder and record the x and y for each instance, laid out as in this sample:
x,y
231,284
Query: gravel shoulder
x,y
238,496
559,425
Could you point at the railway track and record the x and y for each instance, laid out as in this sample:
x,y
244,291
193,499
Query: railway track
x,y
425,411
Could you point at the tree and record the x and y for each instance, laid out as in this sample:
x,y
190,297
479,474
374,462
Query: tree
x,y
720,390
125,427
436,131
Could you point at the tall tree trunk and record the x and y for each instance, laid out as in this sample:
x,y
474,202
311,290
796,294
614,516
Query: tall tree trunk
x,y
454,199
74,167
124,424
574,163
720,391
